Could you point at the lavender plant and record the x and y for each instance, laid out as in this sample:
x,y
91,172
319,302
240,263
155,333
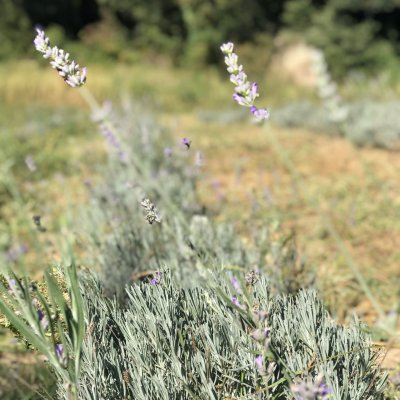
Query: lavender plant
x,y
190,343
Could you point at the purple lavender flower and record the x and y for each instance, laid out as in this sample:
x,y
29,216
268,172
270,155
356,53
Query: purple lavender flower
x,y
13,288
235,301
260,114
12,283
239,99
60,351
156,278
40,314
42,319
236,284
254,91
310,389
186,142
245,93
259,363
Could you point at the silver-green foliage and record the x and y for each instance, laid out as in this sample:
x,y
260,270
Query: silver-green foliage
x,y
174,343
369,123
186,239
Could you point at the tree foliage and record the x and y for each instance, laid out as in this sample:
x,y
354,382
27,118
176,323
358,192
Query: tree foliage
x,y
356,34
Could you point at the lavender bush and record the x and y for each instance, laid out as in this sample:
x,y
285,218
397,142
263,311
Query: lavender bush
x,y
191,343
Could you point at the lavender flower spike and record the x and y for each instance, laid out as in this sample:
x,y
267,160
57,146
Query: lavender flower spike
x,y
72,74
245,92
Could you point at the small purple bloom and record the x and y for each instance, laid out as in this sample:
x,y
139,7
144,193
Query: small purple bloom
x,y
60,351
40,314
239,99
186,142
310,389
235,301
43,320
254,91
259,362
260,114
12,283
236,284
14,289
156,279
324,390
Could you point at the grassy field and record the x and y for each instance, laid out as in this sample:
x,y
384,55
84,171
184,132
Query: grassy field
x,y
245,177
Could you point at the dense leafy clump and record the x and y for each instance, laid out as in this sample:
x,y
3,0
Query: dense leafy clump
x,y
171,342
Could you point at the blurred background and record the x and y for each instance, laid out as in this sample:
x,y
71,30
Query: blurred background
x,y
166,55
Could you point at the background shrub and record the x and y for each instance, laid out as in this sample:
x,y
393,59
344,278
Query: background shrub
x,y
353,35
